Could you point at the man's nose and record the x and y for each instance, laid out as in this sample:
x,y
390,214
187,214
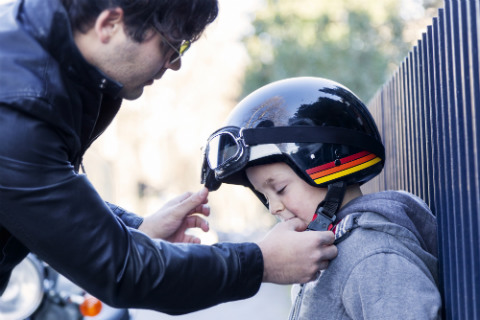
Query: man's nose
x,y
173,66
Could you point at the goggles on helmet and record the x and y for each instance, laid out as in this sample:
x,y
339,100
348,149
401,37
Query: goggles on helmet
x,y
225,146
226,152
229,149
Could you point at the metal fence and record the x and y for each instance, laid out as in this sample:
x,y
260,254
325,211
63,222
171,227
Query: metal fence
x,y
428,114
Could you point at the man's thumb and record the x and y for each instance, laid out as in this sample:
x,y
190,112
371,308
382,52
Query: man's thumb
x,y
195,199
296,224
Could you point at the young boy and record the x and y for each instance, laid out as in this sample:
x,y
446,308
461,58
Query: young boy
x,y
304,146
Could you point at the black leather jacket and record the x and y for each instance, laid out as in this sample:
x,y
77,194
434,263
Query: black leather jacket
x,y
53,105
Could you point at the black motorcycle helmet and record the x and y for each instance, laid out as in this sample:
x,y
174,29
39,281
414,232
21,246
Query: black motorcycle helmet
x,y
317,126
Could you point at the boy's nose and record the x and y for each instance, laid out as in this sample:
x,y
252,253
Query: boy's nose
x,y
276,208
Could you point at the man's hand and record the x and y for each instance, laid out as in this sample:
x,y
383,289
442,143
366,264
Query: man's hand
x,y
176,216
291,256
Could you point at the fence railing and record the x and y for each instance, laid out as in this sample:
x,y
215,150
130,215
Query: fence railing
x,y
429,115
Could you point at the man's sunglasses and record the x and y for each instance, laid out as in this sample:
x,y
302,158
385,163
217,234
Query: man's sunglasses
x,y
178,52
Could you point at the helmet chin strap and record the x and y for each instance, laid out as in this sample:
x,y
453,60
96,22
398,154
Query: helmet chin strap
x,y
326,211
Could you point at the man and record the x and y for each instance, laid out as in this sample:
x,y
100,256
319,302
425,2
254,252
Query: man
x,y
65,67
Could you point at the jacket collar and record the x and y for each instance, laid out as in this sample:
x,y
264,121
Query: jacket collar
x,y
48,22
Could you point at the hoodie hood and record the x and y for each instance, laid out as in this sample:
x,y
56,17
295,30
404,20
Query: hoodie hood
x,y
401,208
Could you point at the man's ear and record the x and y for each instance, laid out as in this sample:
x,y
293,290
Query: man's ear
x,y
108,23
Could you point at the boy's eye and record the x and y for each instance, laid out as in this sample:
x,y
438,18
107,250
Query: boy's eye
x,y
281,190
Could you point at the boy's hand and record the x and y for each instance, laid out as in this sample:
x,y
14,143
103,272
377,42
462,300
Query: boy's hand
x,y
176,216
291,256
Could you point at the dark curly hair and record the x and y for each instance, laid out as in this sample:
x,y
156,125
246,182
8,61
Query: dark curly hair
x,y
177,20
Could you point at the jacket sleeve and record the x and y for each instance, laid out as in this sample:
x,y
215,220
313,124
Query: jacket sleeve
x,y
387,285
57,214
129,218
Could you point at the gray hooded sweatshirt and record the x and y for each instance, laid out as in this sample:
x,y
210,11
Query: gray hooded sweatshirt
x,y
386,266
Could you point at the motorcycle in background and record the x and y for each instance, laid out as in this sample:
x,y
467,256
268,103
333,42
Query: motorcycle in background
x,y
37,292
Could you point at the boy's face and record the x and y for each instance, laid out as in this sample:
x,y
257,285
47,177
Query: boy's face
x,y
288,195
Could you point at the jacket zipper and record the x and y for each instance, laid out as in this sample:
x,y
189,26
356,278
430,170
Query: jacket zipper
x,y
298,302
78,163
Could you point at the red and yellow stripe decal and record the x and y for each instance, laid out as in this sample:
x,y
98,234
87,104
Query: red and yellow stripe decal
x,y
348,165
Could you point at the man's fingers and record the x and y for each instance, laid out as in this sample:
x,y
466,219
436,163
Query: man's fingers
x,y
189,203
328,252
200,197
196,199
326,237
295,224
203,209
179,199
323,265
197,222
191,239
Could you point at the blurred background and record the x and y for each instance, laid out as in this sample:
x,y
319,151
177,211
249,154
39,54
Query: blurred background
x,y
153,149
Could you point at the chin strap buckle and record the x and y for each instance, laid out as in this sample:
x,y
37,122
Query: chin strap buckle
x,y
325,214
321,221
